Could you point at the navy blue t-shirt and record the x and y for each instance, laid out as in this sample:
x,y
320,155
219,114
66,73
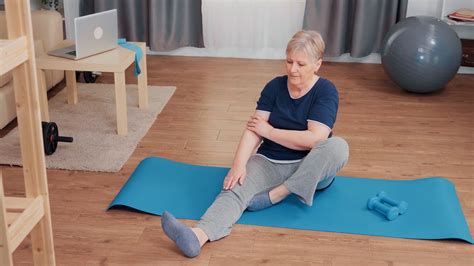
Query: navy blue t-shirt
x,y
319,104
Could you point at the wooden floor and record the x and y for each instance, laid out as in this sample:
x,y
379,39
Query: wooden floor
x,y
392,134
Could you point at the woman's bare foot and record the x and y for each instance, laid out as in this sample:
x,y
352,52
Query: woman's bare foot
x,y
267,199
202,237
278,194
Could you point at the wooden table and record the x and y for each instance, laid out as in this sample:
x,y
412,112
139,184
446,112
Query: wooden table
x,y
116,61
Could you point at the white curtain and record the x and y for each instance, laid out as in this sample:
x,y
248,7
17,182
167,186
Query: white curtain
x,y
258,28
247,28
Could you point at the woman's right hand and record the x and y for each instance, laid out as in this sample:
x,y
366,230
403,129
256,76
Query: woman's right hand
x,y
235,174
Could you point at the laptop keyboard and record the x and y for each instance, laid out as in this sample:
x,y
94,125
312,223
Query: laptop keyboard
x,y
71,53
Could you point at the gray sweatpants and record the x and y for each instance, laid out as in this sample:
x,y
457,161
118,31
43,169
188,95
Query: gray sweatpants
x,y
315,171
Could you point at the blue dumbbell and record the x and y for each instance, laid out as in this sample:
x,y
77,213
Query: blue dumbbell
x,y
401,205
391,213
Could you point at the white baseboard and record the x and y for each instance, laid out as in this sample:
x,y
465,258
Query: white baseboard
x,y
269,53
266,53
466,70
373,58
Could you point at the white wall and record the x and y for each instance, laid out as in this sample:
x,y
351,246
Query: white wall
x,y
450,6
425,8
71,11
35,4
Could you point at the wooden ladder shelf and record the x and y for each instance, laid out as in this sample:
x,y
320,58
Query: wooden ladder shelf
x,y
12,53
30,215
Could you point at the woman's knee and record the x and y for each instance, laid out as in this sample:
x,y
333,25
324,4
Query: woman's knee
x,y
340,147
335,148
258,168
255,170
255,164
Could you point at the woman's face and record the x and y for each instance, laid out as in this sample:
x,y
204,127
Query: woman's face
x,y
300,68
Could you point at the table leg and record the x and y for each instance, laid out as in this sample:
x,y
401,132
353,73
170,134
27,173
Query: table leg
x,y
71,87
143,81
43,95
121,103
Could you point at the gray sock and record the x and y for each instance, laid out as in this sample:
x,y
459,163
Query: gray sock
x,y
260,201
182,235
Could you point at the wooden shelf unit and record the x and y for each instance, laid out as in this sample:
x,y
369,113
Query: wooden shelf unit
x,y
13,53
29,215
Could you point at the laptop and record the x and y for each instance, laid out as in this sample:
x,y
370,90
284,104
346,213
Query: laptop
x,y
95,33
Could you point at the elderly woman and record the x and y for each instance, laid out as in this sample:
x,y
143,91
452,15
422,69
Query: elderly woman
x,y
293,125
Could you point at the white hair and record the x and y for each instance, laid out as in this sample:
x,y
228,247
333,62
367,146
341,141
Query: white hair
x,y
307,41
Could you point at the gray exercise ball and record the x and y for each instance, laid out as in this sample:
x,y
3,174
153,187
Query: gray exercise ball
x,y
421,54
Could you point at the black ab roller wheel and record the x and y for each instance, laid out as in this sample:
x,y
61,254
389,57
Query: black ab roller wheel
x,y
89,77
51,137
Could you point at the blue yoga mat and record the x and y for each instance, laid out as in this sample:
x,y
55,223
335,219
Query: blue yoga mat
x,y
186,191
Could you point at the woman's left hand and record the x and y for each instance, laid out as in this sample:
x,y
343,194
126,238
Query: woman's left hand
x,y
259,126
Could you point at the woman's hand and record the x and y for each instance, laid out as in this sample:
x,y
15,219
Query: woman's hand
x,y
235,174
259,126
